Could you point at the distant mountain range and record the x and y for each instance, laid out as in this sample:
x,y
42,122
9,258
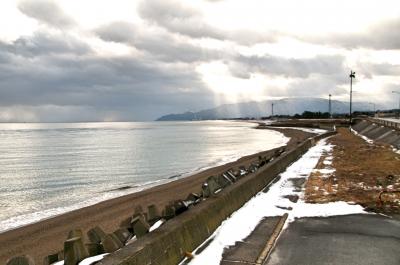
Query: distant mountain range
x,y
286,106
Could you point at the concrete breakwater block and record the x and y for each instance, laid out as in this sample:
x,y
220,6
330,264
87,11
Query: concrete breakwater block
x,y
210,187
231,175
153,214
111,243
60,254
179,206
75,233
223,181
279,151
253,168
21,260
126,223
74,251
139,210
140,227
205,190
194,197
123,234
94,249
242,171
262,161
50,259
136,217
169,212
96,234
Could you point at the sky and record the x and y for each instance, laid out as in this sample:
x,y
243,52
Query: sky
x,y
125,60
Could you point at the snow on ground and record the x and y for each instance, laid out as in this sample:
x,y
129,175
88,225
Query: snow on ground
x,y
325,171
156,225
88,261
273,203
93,259
365,138
309,130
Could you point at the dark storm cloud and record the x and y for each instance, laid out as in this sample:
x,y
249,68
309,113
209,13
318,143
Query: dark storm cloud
x,y
243,66
69,80
47,12
381,36
179,18
41,43
160,44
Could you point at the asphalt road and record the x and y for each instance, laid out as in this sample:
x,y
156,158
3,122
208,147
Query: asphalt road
x,y
351,239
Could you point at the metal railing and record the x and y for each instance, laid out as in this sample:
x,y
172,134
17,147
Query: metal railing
x,y
386,123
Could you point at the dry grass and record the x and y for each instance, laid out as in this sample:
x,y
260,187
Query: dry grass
x,y
363,172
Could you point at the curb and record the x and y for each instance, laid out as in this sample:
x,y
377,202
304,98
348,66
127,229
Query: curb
x,y
271,241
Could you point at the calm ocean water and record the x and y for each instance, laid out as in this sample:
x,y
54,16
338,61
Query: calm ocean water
x,y
48,169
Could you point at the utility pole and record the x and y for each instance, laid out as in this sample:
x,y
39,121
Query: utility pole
x,y
272,110
398,111
330,107
352,75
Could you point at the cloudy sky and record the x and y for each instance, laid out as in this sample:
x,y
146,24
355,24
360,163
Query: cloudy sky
x,y
103,60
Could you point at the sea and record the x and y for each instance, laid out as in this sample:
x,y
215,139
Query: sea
x,y
47,169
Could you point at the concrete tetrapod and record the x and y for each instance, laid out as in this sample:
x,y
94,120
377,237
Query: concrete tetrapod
x,y
111,243
94,249
74,251
21,260
96,234
123,234
75,233
169,212
153,214
50,259
140,227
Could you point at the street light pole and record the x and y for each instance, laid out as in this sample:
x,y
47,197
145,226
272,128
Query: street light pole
x,y
397,92
352,75
330,107
272,110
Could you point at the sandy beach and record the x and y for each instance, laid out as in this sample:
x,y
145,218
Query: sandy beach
x,y
45,237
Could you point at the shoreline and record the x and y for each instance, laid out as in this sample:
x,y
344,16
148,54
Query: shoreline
x,y
26,219
47,236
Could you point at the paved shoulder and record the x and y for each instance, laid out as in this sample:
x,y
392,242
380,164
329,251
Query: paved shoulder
x,y
352,239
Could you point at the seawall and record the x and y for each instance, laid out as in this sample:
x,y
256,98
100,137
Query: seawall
x,y
379,130
169,243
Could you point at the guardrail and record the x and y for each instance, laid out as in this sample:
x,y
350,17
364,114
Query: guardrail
x,y
391,124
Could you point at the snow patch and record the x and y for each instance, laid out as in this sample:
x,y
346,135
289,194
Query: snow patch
x,y
325,171
309,130
275,202
87,261
156,225
93,259
362,136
